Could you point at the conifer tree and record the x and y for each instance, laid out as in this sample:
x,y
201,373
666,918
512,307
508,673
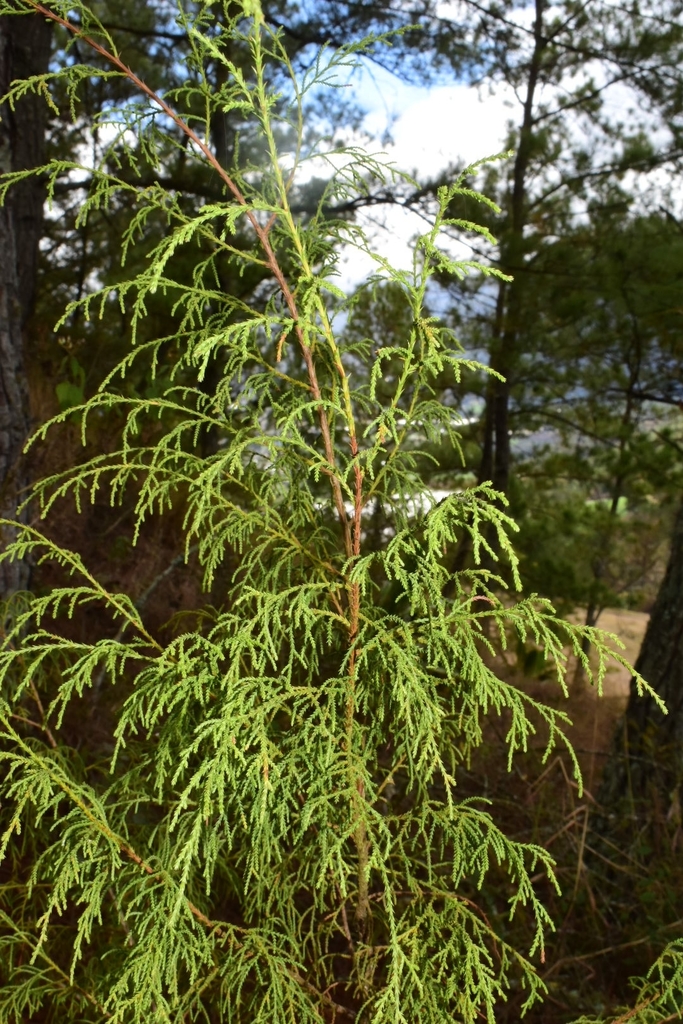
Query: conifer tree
x,y
558,63
272,831
598,397
24,50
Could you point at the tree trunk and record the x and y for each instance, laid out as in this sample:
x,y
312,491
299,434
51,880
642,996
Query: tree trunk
x,y
648,748
507,330
24,51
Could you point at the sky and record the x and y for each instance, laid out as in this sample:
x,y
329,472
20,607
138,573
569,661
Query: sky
x,y
432,127
424,130
428,129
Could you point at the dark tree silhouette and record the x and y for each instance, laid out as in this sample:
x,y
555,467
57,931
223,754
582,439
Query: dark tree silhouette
x,y
648,747
24,51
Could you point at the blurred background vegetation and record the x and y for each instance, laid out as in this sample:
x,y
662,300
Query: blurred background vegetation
x,y
580,427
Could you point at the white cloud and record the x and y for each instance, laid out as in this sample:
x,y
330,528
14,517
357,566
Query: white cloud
x,y
426,131
449,124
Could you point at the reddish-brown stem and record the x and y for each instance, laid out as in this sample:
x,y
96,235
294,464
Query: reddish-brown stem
x,y
262,234
195,911
352,537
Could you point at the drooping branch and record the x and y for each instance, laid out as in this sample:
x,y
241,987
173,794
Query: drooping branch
x,y
261,232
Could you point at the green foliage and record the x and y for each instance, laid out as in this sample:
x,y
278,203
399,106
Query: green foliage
x,y
275,832
71,392
658,996
601,459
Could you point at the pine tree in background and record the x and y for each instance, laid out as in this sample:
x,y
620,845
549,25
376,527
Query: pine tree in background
x,y
24,50
272,830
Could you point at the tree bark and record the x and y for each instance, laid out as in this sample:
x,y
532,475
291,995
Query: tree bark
x,y
24,51
507,329
648,746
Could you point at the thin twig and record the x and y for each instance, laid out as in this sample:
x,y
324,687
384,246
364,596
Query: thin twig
x,y
262,233
45,727
122,917
345,920
140,605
